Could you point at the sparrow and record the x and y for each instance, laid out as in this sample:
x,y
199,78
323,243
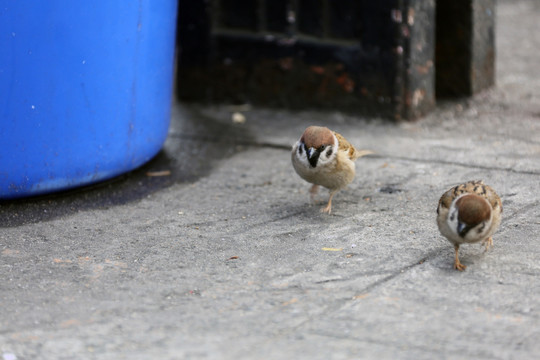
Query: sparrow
x,y
325,158
469,213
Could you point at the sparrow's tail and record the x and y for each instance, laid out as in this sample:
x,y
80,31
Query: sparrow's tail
x,y
359,153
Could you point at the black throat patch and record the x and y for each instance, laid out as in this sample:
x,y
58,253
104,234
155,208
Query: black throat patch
x,y
314,158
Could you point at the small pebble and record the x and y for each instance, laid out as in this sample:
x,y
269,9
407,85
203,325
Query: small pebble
x,y
238,118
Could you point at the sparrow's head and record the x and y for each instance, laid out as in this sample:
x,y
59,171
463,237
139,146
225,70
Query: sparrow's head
x,y
470,216
317,146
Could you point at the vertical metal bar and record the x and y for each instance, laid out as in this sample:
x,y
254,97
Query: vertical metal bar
x,y
215,12
401,52
261,16
324,12
292,17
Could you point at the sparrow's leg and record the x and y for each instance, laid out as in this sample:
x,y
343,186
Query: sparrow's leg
x,y
328,207
313,191
488,243
457,265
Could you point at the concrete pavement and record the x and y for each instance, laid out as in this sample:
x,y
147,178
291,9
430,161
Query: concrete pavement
x,y
226,259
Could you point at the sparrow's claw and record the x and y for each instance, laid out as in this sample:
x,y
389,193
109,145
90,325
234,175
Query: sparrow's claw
x,y
488,243
327,209
457,264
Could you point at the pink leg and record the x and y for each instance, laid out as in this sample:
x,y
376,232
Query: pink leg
x,y
457,264
488,243
328,207
313,191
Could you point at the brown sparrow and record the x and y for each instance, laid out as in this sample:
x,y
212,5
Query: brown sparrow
x,y
324,157
469,213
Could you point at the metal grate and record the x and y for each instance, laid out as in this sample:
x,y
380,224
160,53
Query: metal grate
x,y
329,21
372,56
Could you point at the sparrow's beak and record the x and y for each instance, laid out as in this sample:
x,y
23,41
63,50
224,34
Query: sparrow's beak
x,y
462,229
313,156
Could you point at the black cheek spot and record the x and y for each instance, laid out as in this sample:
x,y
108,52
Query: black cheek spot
x,y
300,149
481,228
329,152
452,217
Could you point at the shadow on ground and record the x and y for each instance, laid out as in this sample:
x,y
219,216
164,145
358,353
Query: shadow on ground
x,y
195,145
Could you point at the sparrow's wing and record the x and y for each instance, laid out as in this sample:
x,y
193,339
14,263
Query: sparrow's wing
x,y
449,196
446,200
493,198
346,146
474,187
479,188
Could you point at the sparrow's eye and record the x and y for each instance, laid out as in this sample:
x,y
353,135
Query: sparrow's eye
x,y
321,148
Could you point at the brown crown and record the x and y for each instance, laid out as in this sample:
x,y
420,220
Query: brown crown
x,y
473,209
315,136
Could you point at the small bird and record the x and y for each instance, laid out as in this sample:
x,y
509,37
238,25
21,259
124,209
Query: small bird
x,y
469,213
325,158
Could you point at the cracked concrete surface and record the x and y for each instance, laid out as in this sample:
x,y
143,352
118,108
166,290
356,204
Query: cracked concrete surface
x,y
226,258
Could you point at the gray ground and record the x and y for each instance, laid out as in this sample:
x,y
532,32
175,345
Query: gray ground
x,y
226,259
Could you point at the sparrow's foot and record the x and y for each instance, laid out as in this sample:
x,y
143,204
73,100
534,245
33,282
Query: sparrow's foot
x,y
328,207
488,243
457,264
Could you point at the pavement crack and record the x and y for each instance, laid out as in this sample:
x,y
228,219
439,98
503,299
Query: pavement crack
x,y
387,342
399,272
291,215
278,146
455,163
335,279
232,141
520,211
337,305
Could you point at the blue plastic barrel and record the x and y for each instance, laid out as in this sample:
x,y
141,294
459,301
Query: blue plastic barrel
x,y
85,90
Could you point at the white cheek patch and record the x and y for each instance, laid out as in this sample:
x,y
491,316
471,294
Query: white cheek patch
x,y
329,154
478,232
452,220
301,154
324,158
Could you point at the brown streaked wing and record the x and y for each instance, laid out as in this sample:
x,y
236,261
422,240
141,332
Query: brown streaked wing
x,y
446,199
476,187
344,145
493,198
